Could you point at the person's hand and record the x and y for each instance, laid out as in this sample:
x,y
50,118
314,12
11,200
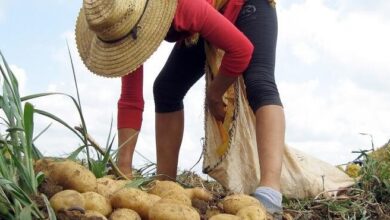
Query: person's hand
x,y
215,105
214,94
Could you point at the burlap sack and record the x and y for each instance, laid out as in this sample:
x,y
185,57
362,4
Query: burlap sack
x,y
237,166
234,162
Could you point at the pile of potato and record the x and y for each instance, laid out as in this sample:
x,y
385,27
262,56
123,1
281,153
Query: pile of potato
x,y
106,198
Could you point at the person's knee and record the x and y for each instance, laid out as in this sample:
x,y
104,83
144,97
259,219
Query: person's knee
x,y
262,93
165,98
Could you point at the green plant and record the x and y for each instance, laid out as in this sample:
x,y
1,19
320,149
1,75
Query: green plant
x,y
18,181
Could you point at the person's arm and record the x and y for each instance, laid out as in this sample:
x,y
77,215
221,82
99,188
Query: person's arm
x,y
198,16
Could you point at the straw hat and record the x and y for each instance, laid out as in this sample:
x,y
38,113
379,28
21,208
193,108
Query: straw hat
x,y
115,37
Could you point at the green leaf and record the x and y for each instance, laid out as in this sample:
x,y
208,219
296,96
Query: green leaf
x,y
40,178
75,153
36,154
26,213
29,123
52,215
138,182
98,168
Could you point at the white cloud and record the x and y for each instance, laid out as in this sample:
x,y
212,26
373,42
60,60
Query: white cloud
x,y
305,53
325,120
333,75
356,38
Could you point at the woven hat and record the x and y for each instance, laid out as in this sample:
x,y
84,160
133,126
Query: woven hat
x,y
115,37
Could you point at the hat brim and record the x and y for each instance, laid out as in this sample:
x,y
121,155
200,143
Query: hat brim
x,y
123,57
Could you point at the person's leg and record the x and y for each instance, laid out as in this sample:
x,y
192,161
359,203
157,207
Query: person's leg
x,y
258,22
130,109
184,67
127,138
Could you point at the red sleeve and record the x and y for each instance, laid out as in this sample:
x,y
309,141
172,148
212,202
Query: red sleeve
x,y
131,101
199,16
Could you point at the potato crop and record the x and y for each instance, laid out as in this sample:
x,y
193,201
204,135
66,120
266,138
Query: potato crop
x,y
225,217
67,199
97,202
176,197
91,214
134,199
68,174
233,203
199,193
107,198
160,187
252,213
124,214
106,186
172,211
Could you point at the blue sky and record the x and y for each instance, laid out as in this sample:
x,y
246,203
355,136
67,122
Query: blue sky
x,y
333,73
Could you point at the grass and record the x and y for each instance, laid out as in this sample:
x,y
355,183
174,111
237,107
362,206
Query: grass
x,y
18,181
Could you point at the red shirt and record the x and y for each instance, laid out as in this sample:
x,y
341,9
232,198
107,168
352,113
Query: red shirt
x,y
192,16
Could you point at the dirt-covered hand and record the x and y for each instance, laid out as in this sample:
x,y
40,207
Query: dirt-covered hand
x,y
215,105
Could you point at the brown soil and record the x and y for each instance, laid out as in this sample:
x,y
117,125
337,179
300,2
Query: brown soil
x,y
49,188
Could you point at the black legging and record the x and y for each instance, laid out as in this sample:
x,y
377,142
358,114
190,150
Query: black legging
x,y
185,65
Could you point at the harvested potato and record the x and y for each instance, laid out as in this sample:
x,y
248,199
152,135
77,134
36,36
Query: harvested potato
x,y
154,198
134,199
160,187
211,212
199,193
124,214
91,214
253,212
233,203
67,199
119,184
42,165
104,186
107,186
71,175
172,211
97,202
176,197
225,217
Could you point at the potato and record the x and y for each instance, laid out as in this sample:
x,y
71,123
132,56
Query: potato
x,y
104,186
172,211
225,217
42,165
107,186
175,197
72,175
67,199
252,213
160,187
211,212
154,198
134,199
233,203
91,214
124,214
199,193
97,202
